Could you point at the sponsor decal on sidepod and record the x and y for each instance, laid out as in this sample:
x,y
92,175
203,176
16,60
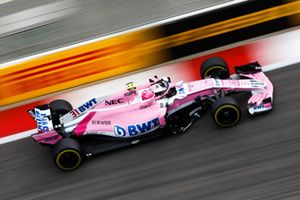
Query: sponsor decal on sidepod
x,y
135,129
101,122
146,106
113,102
83,107
129,93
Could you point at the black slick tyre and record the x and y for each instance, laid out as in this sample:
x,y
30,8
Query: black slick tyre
x,y
59,108
67,154
214,67
226,112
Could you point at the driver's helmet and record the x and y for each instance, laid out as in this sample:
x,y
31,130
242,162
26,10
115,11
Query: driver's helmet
x,y
158,88
147,94
130,86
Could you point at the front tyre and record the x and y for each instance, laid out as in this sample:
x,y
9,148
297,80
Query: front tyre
x,y
214,67
67,154
226,112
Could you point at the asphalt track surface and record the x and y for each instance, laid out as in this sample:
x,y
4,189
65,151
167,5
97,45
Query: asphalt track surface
x,y
257,159
42,25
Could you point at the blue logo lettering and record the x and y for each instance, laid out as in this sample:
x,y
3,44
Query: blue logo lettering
x,y
132,130
144,127
87,105
181,90
81,109
155,122
119,131
135,129
258,107
42,121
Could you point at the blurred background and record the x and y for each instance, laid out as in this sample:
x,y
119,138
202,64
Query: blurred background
x,y
29,26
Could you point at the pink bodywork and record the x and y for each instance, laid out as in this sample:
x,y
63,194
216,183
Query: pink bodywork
x,y
122,111
268,92
206,87
132,110
47,137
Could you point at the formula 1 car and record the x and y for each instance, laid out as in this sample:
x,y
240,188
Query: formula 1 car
x,y
153,109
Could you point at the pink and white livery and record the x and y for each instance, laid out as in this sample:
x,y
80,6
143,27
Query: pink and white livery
x,y
149,110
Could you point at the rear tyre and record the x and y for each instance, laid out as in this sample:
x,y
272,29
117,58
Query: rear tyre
x,y
226,112
67,154
59,108
214,67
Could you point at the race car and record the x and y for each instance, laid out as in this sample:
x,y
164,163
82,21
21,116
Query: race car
x,y
153,109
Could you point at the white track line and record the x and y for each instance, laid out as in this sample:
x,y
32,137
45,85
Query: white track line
x,y
281,64
124,32
5,1
17,136
29,18
25,134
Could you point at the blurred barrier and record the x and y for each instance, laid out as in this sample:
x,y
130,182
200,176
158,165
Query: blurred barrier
x,y
271,52
140,49
78,66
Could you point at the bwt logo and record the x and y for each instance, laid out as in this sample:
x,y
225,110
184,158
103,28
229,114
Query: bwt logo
x,y
42,121
87,105
181,90
136,129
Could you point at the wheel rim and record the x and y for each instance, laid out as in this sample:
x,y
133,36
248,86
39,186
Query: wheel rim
x,y
227,115
212,70
68,159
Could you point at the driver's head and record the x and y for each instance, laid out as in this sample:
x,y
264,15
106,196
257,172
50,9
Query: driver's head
x,y
158,88
147,94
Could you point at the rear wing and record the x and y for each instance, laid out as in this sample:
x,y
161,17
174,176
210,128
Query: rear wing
x,y
42,115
